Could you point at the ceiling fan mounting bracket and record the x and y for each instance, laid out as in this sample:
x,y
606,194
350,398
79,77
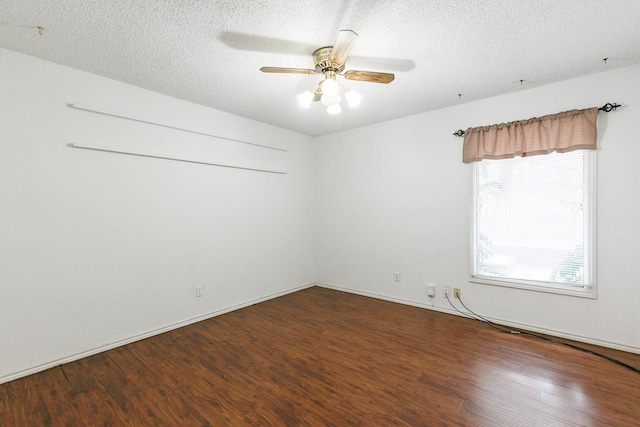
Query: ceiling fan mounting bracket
x,y
322,61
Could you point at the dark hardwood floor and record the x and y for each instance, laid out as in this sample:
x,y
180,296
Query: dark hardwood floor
x,y
324,358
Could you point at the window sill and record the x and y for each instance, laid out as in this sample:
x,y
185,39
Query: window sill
x,y
586,292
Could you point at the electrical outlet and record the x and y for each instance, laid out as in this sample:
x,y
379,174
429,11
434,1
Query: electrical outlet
x,y
445,292
199,291
397,276
456,293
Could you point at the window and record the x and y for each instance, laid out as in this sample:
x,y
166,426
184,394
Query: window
x,y
533,222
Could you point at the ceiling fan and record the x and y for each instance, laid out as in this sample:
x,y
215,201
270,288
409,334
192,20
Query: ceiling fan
x,y
330,61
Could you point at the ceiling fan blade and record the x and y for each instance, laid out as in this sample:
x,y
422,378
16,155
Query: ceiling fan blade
x,y
243,41
369,76
287,70
342,46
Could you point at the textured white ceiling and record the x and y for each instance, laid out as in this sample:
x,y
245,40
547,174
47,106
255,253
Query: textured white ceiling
x,y
209,52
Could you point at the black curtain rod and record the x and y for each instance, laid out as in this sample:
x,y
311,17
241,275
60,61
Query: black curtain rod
x,y
607,108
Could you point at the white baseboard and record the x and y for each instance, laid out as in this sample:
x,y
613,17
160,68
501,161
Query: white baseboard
x,y
532,328
129,340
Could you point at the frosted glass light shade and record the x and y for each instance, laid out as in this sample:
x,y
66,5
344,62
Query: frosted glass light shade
x,y
353,98
331,100
330,87
305,98
330,92
334,109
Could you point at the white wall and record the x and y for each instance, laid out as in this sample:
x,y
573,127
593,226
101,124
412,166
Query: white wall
x,y
395,197
100,248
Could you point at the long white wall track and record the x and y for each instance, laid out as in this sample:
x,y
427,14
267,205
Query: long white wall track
x,y
165,125
124,133
131,153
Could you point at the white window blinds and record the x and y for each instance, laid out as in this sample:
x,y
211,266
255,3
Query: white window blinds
x,y
533,220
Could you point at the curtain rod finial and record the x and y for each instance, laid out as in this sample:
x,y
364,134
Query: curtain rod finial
x,y
609,107
459,132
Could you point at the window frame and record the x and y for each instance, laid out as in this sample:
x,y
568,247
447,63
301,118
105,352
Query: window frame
x,y
587,291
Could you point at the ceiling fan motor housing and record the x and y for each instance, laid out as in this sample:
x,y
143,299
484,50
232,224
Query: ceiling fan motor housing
x,y
321,58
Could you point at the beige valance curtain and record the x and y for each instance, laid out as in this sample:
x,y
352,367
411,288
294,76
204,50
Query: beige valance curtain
x,y
561,132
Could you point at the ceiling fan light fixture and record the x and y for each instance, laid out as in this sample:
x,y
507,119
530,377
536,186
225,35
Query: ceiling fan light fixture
x,y
330,86
334,109
305,98
330,62
331,100
353,97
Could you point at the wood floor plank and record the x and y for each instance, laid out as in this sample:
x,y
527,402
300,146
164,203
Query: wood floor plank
x,y
175,410
147,376
322,357
133,402
79,375
4,397
224,402
487,412
96,407
32,410
52,391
